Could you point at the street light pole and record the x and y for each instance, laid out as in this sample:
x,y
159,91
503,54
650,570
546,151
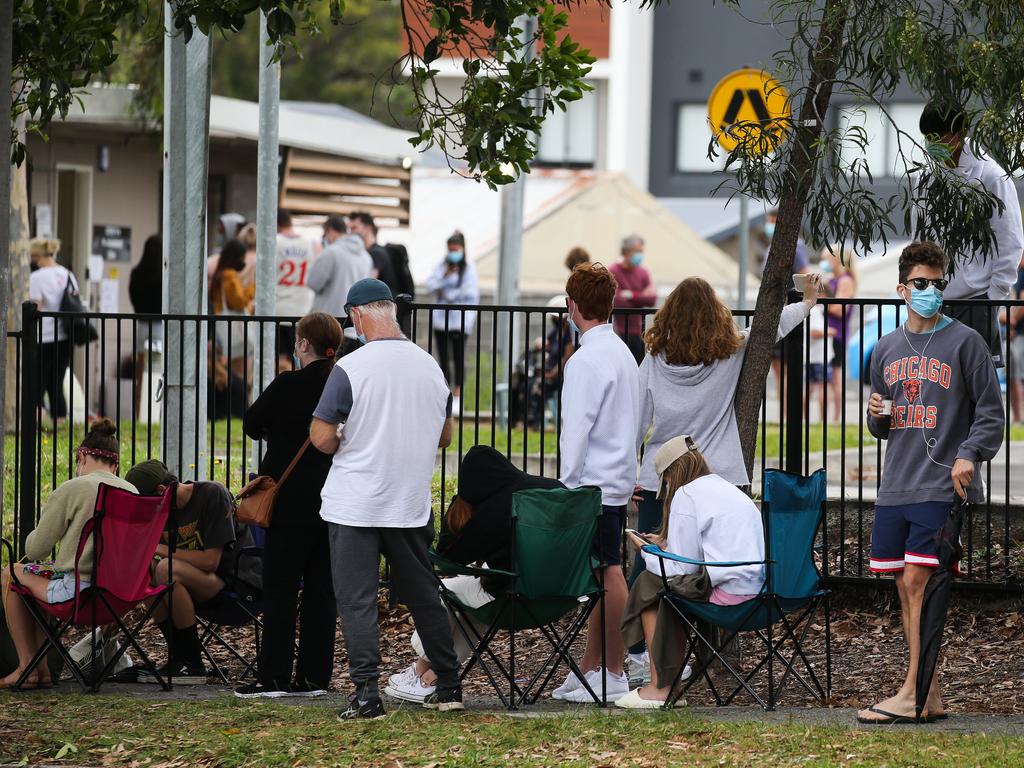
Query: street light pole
x,y
266,213
186,152
511,243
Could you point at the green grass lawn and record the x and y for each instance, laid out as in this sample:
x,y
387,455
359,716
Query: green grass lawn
x,y
118,730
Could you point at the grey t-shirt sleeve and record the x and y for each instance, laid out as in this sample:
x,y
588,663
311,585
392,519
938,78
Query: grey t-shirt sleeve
x,y
336,401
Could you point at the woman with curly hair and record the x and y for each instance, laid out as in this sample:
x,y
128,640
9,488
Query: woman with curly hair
x,y
687,386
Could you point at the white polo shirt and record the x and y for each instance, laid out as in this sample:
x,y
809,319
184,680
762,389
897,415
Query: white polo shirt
x,y
393,401
600,413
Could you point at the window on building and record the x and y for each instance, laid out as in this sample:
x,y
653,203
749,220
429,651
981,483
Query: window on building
x,y
570,137
693,134
868,135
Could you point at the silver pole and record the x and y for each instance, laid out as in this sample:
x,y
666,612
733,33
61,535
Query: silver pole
x,y
186,151
266,213
6,57
511,249
741,301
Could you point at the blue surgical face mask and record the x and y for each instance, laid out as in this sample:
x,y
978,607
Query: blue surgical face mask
x,y
572,325
359,335
637,258
454,257
926,303
769,229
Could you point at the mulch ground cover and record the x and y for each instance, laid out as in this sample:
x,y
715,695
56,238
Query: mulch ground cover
x,y
982,664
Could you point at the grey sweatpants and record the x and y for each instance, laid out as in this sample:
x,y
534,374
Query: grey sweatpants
x,y
355,565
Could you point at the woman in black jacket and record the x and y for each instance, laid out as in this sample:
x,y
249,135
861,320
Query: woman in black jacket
x,y
296,548
476,529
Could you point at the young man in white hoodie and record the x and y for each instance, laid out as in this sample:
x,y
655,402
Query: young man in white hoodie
x,y
600,411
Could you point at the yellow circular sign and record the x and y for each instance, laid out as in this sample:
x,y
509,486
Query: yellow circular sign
x,y
749,107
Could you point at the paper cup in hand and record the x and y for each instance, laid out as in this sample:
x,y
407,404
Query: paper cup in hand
x,y
886,407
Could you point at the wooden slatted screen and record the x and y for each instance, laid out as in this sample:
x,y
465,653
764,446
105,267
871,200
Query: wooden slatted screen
x,y
319,184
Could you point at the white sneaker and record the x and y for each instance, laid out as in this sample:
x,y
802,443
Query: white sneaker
x,y
405,677
408,689
616,686
570,684
687,673
638,668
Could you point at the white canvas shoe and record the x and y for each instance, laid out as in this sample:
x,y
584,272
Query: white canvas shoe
x,y
405,677
408,688
632,700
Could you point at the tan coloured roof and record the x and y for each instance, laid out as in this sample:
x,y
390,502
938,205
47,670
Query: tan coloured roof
x,y
596,212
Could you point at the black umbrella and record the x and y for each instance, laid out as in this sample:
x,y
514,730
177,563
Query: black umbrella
x,y
937,594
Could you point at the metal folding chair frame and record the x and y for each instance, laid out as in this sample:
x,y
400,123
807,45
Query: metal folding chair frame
x,y
54,635
561,644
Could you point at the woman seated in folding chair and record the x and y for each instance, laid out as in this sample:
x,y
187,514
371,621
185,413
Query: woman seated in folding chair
x,y
476,529
63,517
706,518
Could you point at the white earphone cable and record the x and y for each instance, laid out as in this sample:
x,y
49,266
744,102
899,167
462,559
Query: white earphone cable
x,y
929,442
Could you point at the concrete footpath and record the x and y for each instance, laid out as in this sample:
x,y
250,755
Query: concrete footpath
x,y
1008,725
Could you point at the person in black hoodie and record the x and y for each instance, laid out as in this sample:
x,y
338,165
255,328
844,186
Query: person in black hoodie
x,y
297,544
476,529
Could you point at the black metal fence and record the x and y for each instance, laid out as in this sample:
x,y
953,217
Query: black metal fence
x,y
135,373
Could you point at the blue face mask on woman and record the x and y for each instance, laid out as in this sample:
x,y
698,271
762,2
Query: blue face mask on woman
x,y
926,303
454,257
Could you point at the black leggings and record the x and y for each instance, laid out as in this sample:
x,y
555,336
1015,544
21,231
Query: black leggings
x,y
297,556
451,354
54,359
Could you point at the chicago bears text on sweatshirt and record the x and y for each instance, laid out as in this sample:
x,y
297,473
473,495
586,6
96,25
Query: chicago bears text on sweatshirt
x,y
946,406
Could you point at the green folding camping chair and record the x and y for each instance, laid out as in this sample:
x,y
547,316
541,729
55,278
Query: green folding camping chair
x,y
555,578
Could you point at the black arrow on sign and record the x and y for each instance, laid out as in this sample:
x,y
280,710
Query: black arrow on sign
x,y
756,99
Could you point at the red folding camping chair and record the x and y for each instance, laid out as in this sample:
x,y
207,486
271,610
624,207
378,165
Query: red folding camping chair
x,y
125,530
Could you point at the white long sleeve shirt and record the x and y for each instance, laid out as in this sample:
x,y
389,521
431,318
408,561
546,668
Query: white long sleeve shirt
x,y
994,275
451,288
713,521
600,412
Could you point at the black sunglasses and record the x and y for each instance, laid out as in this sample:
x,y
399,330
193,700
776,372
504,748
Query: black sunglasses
x,y
920,283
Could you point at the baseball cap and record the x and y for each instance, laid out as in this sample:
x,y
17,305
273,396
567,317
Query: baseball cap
x,y
672,450
147,475
367,291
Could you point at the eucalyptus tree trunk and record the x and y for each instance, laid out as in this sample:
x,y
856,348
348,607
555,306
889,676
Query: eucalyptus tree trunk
x,y
798,181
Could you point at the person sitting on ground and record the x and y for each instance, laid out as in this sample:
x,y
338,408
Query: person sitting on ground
x,y
63,518
706,518
476,529
206,533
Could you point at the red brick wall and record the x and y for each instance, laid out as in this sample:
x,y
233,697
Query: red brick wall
x,y
589,23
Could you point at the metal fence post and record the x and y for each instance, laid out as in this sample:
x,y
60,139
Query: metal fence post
x,y
29,418
793,351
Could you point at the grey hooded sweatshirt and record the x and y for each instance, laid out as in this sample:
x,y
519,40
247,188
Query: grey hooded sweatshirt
x,y
946,406
697,400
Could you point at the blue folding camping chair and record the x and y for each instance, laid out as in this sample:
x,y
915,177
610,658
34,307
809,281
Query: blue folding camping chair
x,y
793,509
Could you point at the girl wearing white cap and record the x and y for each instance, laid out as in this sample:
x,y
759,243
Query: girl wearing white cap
x,y
705,518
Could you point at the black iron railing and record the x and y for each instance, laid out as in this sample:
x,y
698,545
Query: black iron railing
x,y
127,372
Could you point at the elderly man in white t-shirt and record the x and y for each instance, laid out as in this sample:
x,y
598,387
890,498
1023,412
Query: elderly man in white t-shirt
x,y
384,412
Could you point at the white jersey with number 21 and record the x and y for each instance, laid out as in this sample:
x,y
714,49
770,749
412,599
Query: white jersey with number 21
x,y
295,256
